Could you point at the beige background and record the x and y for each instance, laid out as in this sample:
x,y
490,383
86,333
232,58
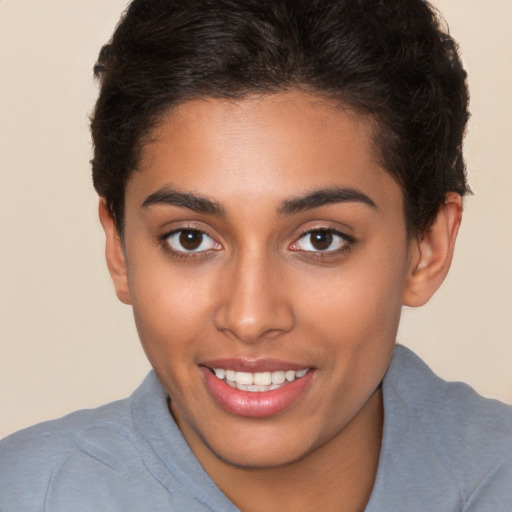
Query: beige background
x,y
66,342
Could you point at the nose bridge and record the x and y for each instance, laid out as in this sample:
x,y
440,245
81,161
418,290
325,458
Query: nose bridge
x,y
252,304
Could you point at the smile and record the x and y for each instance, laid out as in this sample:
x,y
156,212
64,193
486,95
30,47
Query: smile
x,y
256,394
259,381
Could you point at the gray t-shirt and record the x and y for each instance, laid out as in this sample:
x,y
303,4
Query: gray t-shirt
x,y
444,449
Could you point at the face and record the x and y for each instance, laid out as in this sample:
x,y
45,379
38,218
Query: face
x,y
266,257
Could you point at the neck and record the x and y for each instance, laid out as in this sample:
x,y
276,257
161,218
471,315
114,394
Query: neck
x,y
336,476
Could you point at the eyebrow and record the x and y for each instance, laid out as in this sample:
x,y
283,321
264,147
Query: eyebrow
x,y
322,197
194,202
314,199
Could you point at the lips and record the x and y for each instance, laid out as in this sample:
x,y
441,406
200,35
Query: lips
x,y
255,389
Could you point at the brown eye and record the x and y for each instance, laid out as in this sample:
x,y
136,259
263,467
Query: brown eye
x,y
191,240
321,240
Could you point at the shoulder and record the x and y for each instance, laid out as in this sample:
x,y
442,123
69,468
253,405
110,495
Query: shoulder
x,y
90,457
466,437
127,455
32,460
449,408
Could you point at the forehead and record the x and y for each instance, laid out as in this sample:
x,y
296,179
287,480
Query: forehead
x,y
261,148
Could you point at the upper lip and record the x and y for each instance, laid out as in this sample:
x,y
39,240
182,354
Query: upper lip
x,y
253,365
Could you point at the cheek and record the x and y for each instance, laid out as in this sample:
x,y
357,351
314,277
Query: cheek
x,y
171,319
364,294
171,309
354,312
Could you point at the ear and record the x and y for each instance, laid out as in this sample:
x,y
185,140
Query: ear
x,y
114,253
432,252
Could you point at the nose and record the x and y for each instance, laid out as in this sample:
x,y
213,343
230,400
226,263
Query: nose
x,y
253,304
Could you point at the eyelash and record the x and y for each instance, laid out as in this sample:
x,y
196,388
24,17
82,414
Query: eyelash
x,y
185,254
346,241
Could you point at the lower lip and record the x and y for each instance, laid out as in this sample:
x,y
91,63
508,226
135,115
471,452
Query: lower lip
x,y
255,404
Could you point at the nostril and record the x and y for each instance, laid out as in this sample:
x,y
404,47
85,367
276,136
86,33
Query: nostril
x,y
251,306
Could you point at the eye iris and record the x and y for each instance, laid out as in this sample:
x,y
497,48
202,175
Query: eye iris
x,y
191,240
321,240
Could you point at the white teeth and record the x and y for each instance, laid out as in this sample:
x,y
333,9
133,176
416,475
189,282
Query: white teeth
x,y
259,381
220,373
278,377
262,378
289,375
244,378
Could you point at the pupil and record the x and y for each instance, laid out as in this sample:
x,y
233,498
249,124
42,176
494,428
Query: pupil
x,y
321,240
191,240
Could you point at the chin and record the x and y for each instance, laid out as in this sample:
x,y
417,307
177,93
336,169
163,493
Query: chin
x,y
260,448
257,459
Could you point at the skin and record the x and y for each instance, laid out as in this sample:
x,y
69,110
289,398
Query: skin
x,y
257,287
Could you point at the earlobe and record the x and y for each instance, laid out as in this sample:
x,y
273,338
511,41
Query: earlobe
x,y
114,253
432,252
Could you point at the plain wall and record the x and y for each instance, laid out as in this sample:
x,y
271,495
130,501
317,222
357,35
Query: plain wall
x,y
67,343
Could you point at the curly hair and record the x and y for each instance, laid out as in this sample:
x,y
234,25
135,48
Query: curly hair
x,y
392,61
